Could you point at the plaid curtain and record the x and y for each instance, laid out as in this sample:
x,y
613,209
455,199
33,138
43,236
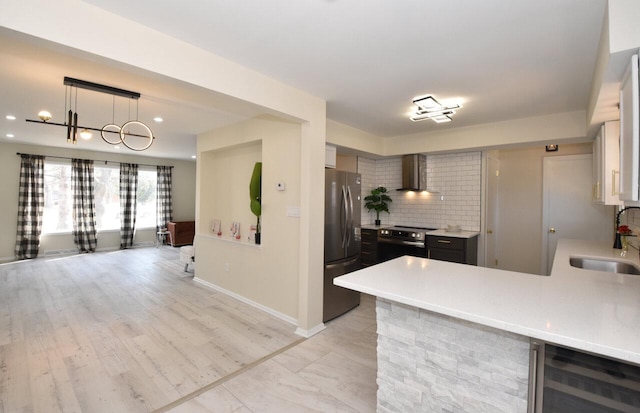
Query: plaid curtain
x,y
85,235
30,206
128,188
164,206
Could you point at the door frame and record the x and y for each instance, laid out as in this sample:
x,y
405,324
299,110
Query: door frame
x,y
544,231
487,223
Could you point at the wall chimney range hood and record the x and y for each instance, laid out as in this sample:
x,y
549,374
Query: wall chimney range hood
x,y
414,173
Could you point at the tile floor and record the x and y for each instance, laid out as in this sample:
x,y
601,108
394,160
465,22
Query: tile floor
x,y
333,371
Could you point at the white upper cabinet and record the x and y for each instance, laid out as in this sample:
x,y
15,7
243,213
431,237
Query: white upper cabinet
x,y
629,140
330,154
606,164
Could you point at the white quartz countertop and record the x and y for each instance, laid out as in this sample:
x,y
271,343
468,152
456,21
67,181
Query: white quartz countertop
x,y
454,234
593,311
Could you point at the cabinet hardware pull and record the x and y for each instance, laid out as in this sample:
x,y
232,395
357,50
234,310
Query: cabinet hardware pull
x,y
444,241
533,377
613,182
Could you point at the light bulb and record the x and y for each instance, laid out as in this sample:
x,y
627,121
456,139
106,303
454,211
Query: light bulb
x,y
44,115
85,134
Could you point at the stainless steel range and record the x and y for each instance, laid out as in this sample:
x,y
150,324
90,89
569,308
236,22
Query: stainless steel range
x,y
397,241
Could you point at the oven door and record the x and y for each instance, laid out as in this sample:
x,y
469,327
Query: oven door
x,y
389,249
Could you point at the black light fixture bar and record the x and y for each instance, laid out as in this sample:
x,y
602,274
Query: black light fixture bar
x,y
96,87
85,127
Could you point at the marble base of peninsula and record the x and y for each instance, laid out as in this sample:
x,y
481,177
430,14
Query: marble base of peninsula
x,y
456,338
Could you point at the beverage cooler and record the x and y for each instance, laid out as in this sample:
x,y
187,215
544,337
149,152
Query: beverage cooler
x,y
569,381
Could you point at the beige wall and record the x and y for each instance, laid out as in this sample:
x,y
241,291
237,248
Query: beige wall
x,y
559,128
184,188
348,137
134,46
347,163
267,274
569,127
519,241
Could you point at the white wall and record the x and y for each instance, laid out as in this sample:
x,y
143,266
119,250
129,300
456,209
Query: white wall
x,y
623,24
267,275
184,173
456,176
519,226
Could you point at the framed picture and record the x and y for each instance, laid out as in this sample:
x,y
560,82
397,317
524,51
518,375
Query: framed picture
x,y
234,230
216,227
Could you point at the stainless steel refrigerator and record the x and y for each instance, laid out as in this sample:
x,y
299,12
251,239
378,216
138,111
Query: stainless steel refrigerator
x,y
341,239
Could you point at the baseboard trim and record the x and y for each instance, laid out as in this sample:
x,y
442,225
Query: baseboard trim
x,y
245,300
4,260
310,332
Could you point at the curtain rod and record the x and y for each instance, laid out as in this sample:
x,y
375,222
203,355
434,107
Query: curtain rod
x,y
95,160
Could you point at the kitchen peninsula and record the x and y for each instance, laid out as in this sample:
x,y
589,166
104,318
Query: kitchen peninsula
x,y
454,337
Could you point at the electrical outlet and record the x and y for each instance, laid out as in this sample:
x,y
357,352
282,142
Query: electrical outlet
x,y
226,267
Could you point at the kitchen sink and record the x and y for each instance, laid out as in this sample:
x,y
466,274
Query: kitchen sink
x,y
596,264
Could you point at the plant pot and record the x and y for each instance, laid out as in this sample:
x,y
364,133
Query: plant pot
x,y
257,238
377,222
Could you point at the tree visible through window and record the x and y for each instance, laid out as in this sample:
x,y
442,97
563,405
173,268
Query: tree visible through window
x,y
58,198
107,194
146,199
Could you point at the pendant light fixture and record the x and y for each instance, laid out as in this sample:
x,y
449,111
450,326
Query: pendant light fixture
x,y
123,134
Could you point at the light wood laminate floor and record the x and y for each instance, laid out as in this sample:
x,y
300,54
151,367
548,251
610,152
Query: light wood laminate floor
x,y
129,331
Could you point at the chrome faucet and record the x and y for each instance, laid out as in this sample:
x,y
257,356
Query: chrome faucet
x,y
617,243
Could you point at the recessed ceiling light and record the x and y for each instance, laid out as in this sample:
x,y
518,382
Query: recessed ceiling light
x,y
193,157
10,135
10,117
158,119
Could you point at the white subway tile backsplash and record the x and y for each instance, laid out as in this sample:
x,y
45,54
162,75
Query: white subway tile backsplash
x,y
457,177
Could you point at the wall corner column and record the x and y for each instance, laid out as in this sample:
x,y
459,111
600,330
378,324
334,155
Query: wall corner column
x,y
311,264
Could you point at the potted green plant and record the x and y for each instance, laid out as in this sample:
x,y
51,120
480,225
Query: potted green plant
x,y
255,195
378,201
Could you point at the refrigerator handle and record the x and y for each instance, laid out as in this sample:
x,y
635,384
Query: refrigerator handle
x,y
345,224
342,264
350,226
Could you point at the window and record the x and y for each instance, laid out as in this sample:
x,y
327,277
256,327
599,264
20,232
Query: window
x,y
146,199
107,195
58,199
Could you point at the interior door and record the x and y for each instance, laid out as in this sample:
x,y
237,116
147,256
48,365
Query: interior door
x,y
567,210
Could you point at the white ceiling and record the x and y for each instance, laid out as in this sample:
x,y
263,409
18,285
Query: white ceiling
x,y
505,59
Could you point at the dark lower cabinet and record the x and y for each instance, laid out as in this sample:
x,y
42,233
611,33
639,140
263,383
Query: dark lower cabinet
x,y
453,249
369,247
